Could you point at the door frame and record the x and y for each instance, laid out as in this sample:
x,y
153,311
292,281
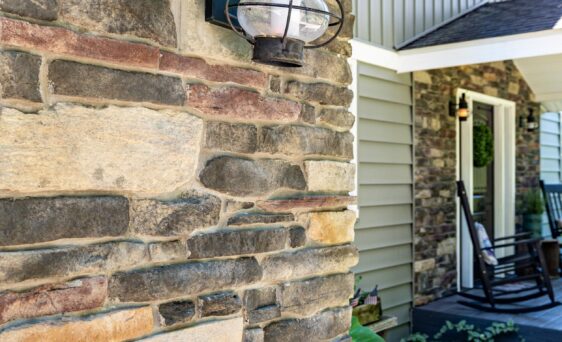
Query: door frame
x,y
504,175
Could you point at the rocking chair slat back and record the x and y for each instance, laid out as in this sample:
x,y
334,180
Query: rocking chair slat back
x,y
552,194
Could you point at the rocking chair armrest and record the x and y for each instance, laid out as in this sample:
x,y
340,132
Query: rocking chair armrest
x,y
515,237
515,243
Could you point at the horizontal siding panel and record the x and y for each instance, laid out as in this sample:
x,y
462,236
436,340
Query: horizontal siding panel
x,y
384,111
550,165
401,312
386,278
381,237
550,152
383,90
550,139
398,333
396,296
384,74
372,217
372,195
370,130
384,257
548,126
374,152
550,177
384,174
550,117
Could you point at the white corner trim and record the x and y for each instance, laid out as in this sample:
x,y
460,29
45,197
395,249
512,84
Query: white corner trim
x,y
353,108
369,53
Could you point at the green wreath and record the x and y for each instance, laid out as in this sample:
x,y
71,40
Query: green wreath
x,y
483,145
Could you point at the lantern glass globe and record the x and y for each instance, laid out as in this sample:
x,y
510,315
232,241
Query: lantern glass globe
x,y
270,21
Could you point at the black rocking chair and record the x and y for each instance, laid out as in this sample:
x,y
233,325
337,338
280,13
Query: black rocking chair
x,y
552,194
503,300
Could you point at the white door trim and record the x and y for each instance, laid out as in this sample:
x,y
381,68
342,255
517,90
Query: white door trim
x,y
504,169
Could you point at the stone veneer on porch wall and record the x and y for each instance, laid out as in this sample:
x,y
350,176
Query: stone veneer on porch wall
x,y
435,232
155,184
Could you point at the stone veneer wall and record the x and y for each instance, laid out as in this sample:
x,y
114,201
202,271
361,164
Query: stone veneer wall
x,y
155,184
435,232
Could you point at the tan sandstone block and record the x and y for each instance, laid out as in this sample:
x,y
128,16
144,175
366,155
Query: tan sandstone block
x,y
424,265
331,227
115,326
74,149
217,331
329,176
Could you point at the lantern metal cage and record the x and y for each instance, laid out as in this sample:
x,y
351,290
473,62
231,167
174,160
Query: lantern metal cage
x,y
283,51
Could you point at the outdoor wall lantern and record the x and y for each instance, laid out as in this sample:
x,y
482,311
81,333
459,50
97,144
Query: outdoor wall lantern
x,y
460,110
280,30
530,122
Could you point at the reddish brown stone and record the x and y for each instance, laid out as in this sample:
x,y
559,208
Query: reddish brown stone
x,y
77,295
286,205
58,40
241,104
198,68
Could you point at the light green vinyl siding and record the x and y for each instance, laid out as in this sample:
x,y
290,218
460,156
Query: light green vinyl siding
x,y
551,153
385,177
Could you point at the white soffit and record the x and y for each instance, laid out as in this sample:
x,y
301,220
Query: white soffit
x,y
544,75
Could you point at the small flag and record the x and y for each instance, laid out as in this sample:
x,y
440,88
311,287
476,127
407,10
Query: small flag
x,y
355,301
373,297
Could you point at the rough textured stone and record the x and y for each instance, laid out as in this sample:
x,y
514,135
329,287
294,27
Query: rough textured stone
x,y
231,137
179,217
142,18
19,76
331,227
216,331
328,176
62,41
89,81
120,151
237,242
33,220
170,281
253,335
243,177
20,266
177,312
323,326
236,103
168,251
38,9
322,93
233,206
76,295
306,297
307,203
424,265
261,305
303,140
254,218
336,118
113,326
308,262
198,68
297,236
220,304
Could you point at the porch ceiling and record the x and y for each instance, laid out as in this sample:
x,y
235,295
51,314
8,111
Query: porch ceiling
x,y
544,75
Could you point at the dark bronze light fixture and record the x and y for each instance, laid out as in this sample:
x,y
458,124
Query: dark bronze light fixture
x,y
280,30
459,110
530,122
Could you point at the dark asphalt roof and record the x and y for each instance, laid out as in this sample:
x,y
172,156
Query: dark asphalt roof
x,y
495,20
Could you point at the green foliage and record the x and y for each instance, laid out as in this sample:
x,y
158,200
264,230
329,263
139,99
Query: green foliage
x,y
533,202
482,145
462,331
359,333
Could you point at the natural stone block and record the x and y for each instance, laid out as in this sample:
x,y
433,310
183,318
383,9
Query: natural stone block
x,y
236,103
308,114
231,137
172,313
424,265
216,331
89,81
254,218
264,313
331,227
58,40
76,295
148,19
120,151
168,251
237,242
112,326
304,140
170,281
37,9
323,326
233,206
19,76
307,203
329,176
447,246
179,217
422,77
220,304
243,177
323,93
261,305
198,68
306,297
336,118
32,220
308,262
253,335
297,236
18,266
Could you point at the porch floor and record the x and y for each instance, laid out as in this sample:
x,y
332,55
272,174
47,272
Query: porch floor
x,y
544,326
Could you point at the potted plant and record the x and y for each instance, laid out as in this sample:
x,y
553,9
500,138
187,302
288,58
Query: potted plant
x,y
532,209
